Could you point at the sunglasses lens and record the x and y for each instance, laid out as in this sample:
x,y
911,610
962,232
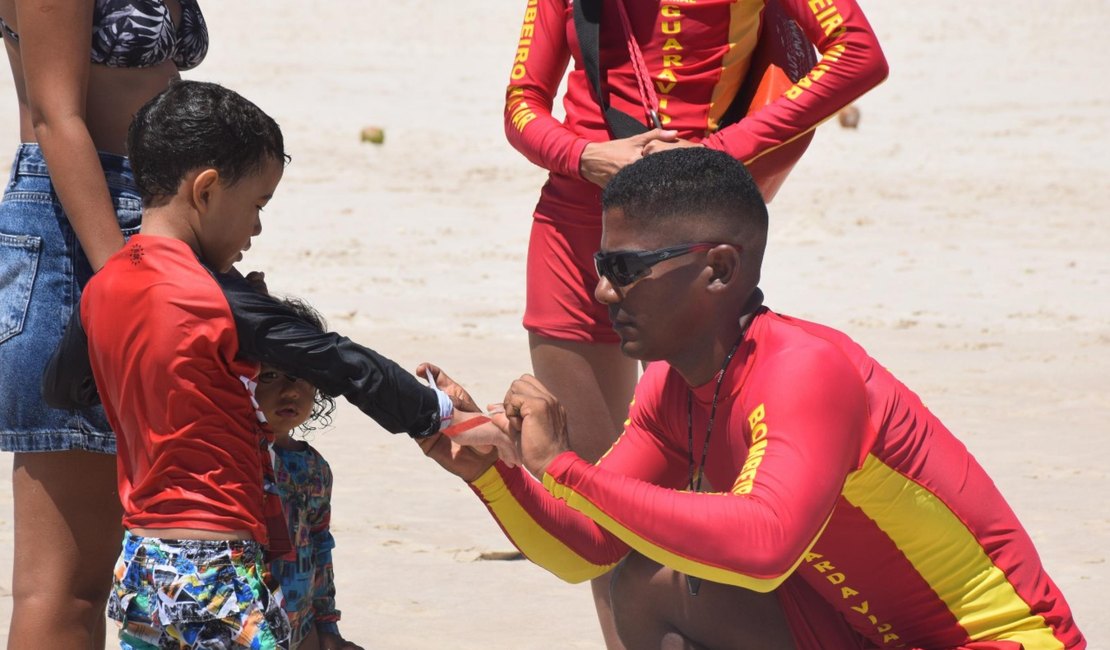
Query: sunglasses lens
x,y
621,269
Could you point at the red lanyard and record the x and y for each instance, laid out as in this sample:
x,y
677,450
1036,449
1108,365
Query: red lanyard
x,y
647,89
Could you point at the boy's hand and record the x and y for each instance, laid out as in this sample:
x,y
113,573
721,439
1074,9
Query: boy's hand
x,y
257,280
459,397
482,437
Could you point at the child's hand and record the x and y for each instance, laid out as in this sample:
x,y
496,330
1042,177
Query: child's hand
x,y
483,436
329,641
257,280
459,397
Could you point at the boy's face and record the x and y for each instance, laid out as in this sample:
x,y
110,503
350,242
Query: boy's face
x,y
232,216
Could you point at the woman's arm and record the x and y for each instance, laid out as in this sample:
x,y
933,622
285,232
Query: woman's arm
x,y
540,60
55,39
851,63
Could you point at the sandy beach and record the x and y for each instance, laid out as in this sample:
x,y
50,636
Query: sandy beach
x,y
959,234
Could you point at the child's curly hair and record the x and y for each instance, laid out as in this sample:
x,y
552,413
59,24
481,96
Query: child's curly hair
x,y
322,405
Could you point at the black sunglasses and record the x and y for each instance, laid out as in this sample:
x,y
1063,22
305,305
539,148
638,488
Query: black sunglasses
x,y
622,268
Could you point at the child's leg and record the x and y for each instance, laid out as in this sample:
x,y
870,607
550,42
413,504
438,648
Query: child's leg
x,y
195,594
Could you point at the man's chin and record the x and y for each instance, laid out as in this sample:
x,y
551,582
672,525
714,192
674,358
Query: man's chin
x,y
634,349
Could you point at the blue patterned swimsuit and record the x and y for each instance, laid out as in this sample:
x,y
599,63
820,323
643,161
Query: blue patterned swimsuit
x,y
141,33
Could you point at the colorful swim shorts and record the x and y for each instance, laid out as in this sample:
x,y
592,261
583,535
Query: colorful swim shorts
x,y
195,594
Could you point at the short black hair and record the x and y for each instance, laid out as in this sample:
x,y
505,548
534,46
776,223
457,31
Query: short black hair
x,y
322,405
677,184
194,124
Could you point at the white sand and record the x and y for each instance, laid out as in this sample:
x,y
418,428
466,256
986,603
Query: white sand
x,y
960,234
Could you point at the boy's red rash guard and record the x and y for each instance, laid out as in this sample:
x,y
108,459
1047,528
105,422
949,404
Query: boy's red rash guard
x,y
173,349
826,467
164,351
696,55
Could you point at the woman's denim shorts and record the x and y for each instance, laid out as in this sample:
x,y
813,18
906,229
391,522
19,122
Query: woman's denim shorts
x,y
42,272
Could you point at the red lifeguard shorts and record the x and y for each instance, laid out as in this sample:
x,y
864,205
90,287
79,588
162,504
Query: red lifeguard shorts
x,y
561,279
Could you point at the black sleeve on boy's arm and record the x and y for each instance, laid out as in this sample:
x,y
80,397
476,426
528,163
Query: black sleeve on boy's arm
x,y
67,381
269,332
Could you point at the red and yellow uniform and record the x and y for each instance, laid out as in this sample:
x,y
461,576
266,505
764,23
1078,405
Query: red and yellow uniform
x,y
696,55
827,470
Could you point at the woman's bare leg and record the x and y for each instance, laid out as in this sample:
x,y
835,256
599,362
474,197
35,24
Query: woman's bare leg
x,y
594,383
67,538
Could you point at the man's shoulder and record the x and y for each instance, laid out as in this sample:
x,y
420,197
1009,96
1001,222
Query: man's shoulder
x,y
793,347
783,334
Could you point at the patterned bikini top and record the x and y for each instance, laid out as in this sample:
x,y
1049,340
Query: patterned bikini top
x,y
141,33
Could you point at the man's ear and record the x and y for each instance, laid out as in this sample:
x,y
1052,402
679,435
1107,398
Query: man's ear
x,y
724,261
203,184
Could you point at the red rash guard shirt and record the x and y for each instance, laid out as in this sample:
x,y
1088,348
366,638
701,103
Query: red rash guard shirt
x,y
697,54
824,467
163,347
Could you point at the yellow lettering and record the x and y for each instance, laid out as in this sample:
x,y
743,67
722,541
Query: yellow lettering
x,y
811,556
874,621
887,638
759,432
670,11
793,93
521,55
824,566
664,119
885,627
831,24
672,44
528,30
663,102
665,88
672,59
522,118
530,15
667,74
862,607
835,578
755,416
848,592
672,27
816,5
826,13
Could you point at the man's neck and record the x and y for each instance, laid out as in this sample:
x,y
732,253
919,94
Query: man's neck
x,y
706,358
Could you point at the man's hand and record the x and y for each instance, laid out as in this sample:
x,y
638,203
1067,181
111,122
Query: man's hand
x,y
655,146
466,463
534,416
602,160
483,437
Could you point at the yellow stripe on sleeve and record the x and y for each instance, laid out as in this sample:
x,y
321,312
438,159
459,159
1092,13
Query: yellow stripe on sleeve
x,y
990,609
531,538
665,557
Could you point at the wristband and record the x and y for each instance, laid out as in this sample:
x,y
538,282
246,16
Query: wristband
x,y
455,430
446,407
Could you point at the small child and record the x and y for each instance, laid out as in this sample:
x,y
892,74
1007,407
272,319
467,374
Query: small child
x,y
303,480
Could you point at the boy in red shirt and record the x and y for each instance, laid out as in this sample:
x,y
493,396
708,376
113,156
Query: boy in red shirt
x,y
175,339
